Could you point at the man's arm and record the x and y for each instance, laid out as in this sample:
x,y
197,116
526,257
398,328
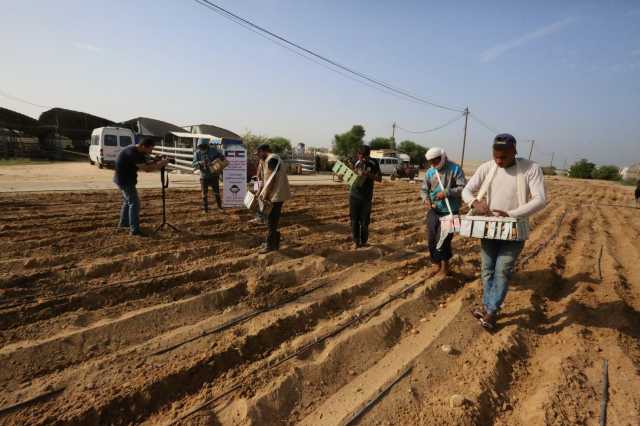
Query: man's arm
x,y
152,166
460,182
425,189
535,181
271,165
472,187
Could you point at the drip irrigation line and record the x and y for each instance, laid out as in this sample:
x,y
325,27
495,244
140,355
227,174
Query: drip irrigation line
x,y
354,319
273,37
605,393
39,397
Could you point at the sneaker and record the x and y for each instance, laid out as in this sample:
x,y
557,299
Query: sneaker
x,y
266,249
478,313
137,233
488,321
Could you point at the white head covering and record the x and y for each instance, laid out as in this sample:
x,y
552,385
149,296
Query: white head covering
x,y
436,152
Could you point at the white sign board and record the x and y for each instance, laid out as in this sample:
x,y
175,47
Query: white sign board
x,y
234,176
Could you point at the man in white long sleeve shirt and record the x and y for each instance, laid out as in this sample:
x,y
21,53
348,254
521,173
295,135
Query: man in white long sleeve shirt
x,y
515,188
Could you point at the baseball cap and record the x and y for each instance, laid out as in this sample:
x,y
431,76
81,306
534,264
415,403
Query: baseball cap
x,y
504,141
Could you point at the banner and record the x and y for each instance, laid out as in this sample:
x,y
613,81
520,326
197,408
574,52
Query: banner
x,y
234,176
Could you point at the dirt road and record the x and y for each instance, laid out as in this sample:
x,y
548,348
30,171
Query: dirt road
x,y
100,328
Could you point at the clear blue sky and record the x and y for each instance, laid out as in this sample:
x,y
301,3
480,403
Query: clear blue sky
x,y
566,74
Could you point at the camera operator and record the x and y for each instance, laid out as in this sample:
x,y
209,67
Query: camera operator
x,y
204,156
129,161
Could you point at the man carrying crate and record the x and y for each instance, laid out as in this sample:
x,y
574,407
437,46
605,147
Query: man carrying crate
x,y
361,196
441,192
506,187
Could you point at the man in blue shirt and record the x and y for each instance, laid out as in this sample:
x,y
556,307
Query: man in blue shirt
x,y
129,161
202,160
434,194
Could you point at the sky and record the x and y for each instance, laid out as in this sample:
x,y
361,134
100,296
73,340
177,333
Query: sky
x,y
563,73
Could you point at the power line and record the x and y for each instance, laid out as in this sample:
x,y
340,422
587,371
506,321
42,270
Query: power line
x,y
15,98
300,54
453,120
482,123
273,37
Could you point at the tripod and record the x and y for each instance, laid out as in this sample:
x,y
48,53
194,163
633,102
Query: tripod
x,y
164,183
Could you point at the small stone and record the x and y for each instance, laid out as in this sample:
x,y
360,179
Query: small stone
x,y
457,400
442,305
416,331
446,349
351,372
423,319
506,407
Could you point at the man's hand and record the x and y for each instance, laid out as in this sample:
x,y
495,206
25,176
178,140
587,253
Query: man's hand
x,y
441,196
480,207
500,213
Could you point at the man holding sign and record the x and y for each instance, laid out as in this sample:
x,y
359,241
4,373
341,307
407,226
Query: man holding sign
x,y
442,193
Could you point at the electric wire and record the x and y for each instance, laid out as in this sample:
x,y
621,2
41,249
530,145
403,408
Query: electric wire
x,y
482,123
453,120
273,36
311,59
15,98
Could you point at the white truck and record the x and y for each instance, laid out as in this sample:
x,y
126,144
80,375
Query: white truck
x,y
106,144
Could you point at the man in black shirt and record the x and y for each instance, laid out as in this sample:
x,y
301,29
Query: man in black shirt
x,y
361,196
129,161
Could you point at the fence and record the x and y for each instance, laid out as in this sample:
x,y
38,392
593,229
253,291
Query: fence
x,y
182,157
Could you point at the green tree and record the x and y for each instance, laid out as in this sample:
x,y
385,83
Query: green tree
x,y
607,173
346,144
583,169
280,145
413,150
381,143
251,141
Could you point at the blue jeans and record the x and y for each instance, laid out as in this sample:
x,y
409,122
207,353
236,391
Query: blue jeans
x,y
498,259
130,212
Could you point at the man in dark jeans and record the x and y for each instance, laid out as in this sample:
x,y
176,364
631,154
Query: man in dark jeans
x,y
435,193
275,191
204,156
361,196
129,161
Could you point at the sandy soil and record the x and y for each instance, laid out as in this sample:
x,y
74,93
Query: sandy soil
x,y
81,176
100,328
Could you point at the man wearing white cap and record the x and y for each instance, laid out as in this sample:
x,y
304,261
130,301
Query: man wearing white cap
x,y
443,181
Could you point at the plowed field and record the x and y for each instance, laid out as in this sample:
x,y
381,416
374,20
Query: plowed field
x,y
97,327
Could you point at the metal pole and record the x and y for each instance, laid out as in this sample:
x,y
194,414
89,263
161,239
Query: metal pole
x,y
531,150
552,155
464,139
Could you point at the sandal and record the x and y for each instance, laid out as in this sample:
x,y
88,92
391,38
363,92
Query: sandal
x,y
478,313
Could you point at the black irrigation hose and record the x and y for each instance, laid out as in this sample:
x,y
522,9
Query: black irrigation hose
x,y
356,318
605,393
39,397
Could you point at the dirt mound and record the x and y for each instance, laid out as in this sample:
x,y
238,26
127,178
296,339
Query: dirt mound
x,y
196,328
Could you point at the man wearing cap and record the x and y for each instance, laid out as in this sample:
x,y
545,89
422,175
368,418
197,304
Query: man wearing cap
x,y
361,196
275,191
510,187
435,193
202,160
129,161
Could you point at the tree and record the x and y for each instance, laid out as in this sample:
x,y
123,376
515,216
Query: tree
x,y
583,169
381,143
280,145
251,141
346,144
607,173
413,150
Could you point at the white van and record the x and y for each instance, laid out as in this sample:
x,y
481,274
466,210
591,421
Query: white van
x,y
389,165
106,144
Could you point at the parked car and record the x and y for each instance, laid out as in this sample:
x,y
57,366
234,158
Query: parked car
x,y
106,144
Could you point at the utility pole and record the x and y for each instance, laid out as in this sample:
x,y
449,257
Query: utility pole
x,y
464,140
393,135
553,154
531,150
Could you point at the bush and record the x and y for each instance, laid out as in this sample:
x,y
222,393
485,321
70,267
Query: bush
x,y
382,143
583,169
607,173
